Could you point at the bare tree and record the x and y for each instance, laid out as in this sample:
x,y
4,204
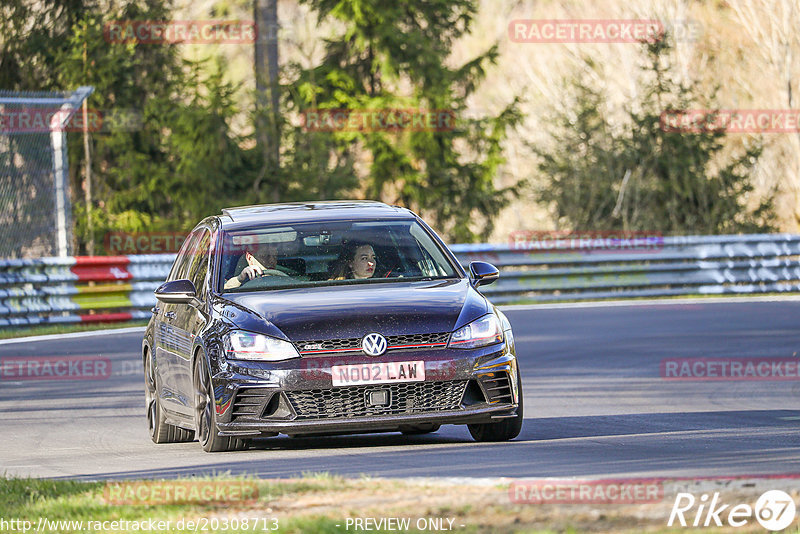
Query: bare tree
x,y
772,24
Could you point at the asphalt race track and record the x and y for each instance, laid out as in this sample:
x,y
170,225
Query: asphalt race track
x,y
595,406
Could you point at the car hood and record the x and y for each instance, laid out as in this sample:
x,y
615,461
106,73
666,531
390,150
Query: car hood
x,y
336,312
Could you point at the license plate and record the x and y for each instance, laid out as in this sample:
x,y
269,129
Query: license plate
x,y
377,373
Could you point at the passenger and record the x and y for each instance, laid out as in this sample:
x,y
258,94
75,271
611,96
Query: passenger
x,y
253,267
356,261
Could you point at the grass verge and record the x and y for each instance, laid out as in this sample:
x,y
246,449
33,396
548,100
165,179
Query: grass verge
x,y
316,503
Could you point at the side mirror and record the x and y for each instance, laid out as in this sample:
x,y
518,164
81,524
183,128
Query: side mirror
x,y
176,292
482,273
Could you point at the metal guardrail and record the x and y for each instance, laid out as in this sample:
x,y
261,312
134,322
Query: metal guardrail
x,y
655,267
79,289
119,288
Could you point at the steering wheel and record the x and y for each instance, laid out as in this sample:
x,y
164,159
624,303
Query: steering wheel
x,y
271,277
272,272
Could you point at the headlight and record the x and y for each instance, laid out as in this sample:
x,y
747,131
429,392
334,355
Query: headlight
x,y
479,333
249,346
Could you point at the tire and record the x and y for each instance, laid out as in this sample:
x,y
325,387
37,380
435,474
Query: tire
x,y
420,431
160,430
205,416
504,430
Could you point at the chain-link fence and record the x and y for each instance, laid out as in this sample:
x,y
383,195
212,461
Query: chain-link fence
x,y
34,195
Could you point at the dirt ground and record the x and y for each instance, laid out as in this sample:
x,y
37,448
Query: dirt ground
x,y
493,505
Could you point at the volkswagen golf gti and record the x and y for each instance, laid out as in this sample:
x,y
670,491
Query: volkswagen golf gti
x,y
325,318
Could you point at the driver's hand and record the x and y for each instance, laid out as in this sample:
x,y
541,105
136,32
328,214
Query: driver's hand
x,y
250,272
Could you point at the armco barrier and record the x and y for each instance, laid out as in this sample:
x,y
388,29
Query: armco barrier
x,y
668,266
79,289
118,288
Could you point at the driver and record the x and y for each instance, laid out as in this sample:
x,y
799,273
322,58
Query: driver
x,y
264,263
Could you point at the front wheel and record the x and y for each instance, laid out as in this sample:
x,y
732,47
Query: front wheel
x,y
502,430
205,414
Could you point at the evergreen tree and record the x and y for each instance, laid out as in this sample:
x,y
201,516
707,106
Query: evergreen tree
x,y
394,55
179,162
643,176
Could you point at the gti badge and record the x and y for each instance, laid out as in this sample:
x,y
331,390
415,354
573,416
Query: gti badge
x,y
373,344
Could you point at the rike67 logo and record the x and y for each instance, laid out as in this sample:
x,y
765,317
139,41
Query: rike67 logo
x,y
774,510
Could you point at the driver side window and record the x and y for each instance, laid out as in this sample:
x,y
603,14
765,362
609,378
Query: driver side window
x,y
198,266
180,267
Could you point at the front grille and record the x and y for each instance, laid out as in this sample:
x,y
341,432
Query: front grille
x,y
329,345
497,386
417,339
434,340
350,401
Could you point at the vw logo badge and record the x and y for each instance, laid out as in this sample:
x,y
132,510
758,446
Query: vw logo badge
x,y
373,344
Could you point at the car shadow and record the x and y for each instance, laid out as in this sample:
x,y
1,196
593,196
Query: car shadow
x,y
388,439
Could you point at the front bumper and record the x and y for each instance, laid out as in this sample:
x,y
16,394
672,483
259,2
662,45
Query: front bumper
x,y
297,396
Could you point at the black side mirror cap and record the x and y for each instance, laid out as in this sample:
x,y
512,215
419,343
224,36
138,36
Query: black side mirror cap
x,y
482,273
176,292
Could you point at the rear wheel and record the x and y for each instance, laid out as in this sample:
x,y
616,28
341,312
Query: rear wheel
x,y
206,414
502,430
160,430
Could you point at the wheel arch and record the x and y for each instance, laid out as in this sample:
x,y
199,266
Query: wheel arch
x,y
199,352
145,350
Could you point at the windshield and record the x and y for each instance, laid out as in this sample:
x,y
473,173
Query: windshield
x,y
321,253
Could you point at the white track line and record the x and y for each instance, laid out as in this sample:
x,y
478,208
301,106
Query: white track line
x,y
56,337
649,302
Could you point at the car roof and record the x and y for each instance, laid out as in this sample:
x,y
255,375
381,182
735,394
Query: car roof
x,y
300,212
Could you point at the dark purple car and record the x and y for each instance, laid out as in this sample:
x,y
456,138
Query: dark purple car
x,y
325,317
